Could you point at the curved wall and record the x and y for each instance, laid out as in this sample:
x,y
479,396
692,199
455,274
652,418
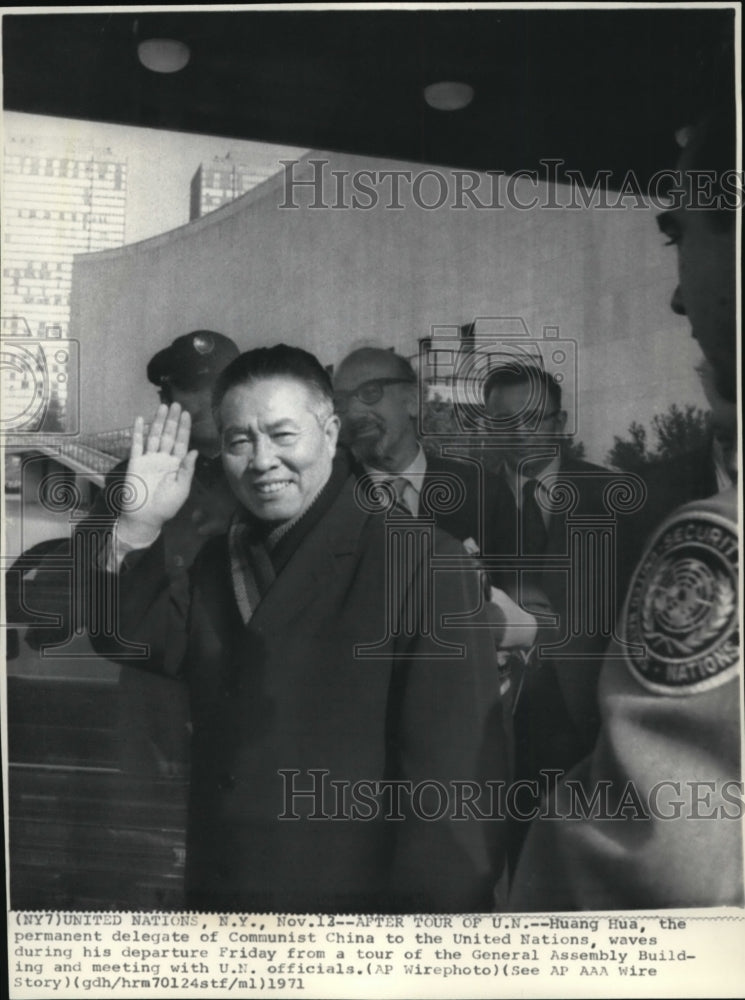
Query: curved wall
x,y
330,278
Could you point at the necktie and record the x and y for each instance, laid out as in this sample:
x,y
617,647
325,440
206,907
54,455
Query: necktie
x,y
533,529
401,505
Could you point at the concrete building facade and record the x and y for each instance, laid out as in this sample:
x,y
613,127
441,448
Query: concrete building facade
x,y
330,256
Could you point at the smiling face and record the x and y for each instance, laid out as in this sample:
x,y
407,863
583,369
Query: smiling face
x,y
382,433
278,444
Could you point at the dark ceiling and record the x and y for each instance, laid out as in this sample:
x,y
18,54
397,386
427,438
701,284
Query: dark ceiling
x,y
598,89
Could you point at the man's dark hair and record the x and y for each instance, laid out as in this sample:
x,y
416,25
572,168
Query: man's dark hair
x,y
518,373
280,361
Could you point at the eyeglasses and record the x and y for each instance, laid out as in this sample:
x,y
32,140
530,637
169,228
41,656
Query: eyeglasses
x,y
368,393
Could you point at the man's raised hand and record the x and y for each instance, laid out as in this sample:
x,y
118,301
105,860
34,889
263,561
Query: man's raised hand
x,y
159,474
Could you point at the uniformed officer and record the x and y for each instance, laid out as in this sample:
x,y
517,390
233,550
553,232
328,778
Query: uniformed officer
x,y
185,373
665,829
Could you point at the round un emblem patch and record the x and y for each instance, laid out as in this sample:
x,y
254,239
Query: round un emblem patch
x,y
683,607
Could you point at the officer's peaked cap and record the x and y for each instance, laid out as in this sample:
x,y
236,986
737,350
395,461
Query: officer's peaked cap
x,y
193,360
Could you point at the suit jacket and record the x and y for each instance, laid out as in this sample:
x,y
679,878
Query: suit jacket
x,y
288,694
557,717
462,521
450,495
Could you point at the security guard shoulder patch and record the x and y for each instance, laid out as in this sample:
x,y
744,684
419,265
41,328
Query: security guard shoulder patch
x,y
683,607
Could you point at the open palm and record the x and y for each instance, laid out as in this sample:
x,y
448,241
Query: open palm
x,y
159,472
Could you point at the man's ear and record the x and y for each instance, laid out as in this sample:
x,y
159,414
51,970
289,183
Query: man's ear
x,y
561,420
331,431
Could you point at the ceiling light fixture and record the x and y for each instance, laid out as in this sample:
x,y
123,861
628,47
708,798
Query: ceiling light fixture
x,y
448,95
163,55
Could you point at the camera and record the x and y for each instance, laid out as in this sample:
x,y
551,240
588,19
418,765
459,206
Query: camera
x,y
456,362
40,384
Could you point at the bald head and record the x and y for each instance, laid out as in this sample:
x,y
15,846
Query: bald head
x,y
392,364
376,396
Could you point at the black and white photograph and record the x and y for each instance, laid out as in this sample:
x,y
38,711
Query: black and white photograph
x,y
370,427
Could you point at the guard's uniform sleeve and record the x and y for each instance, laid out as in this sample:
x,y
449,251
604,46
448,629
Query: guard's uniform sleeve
x,y
653,817
452,742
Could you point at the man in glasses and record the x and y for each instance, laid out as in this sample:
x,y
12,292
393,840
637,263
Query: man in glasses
x,y
376,395
524,407
556,713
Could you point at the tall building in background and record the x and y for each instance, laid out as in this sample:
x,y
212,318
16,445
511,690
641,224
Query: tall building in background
x,y
222,179
60,198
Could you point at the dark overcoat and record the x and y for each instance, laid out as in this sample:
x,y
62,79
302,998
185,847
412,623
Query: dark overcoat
x,y
293,701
